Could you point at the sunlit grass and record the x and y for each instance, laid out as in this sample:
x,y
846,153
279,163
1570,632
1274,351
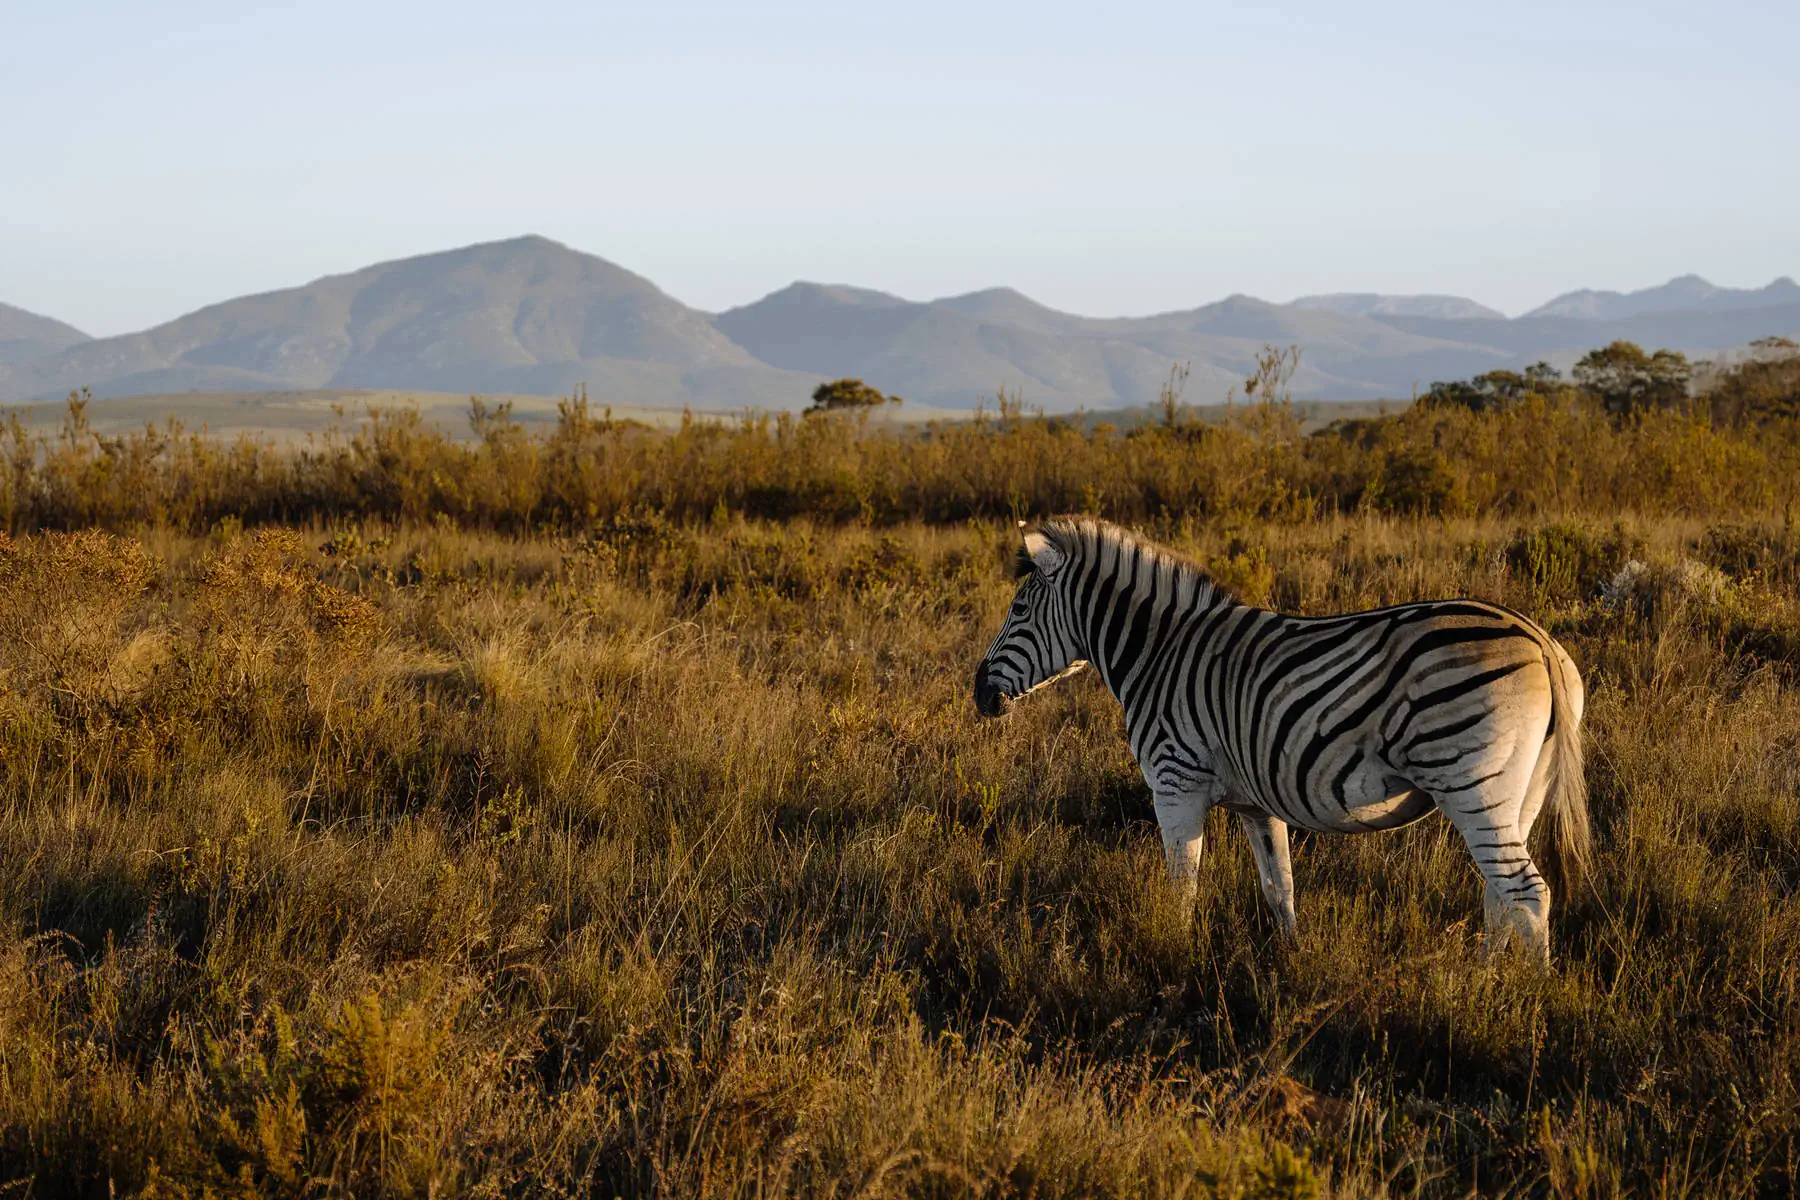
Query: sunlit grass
x,y
670,858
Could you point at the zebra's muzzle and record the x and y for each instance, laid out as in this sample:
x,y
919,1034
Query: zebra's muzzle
x,y
990,701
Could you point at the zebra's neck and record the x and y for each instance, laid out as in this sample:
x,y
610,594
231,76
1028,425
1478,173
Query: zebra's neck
x,y
1136,604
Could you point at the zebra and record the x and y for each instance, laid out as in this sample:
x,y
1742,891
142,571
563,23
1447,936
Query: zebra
x,y
1342,724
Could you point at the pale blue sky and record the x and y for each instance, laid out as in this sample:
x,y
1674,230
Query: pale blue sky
x,y
1113,158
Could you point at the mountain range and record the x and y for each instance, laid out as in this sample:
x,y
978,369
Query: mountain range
x,y
530,316
1687,293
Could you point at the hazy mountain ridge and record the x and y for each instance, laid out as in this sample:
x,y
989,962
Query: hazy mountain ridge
x,y
530,316
25,336
1681,294
526,315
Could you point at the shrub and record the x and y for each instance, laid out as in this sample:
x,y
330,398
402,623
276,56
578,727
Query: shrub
x,y
842,394
1628,382
1495,391
1564,562
1765,387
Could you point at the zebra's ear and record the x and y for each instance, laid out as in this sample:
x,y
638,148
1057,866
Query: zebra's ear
x,y
1044,554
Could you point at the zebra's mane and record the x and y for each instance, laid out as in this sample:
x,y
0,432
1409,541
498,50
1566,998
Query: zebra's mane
x,y
1086,539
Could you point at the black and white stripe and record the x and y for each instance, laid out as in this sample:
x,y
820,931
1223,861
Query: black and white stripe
x,y
1344,724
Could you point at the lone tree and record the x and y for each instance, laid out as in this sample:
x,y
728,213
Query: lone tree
x,y
1628,382
848,394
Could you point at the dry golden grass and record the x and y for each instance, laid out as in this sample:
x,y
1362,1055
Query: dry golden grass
x,y
665,856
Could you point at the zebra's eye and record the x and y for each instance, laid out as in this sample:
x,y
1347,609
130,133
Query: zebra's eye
x,y
1019,607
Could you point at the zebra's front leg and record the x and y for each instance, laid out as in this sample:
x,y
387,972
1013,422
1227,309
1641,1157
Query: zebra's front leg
x,y
1269,842
1182,818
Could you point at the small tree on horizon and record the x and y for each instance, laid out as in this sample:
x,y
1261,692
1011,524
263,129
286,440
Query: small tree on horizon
x,y
842,394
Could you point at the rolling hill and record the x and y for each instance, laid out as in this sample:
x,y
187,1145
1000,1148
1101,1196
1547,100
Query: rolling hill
x,y
523,316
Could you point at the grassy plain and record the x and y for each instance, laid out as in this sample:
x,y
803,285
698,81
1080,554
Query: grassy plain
x,y
458,831
285,418
292,417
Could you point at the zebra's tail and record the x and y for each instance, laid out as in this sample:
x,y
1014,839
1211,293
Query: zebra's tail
x,y
1569,845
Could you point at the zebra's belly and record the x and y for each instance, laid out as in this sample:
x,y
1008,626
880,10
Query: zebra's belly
x,y
1369,798
1398,808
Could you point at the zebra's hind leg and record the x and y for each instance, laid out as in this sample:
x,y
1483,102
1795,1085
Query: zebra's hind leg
x,y
1269,842
1516,900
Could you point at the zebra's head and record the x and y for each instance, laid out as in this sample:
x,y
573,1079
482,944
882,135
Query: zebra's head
x,y
1040,640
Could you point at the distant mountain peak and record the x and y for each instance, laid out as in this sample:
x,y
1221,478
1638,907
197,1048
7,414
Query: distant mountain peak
x,y
804,292
987,297
1681,292
1378,304
1000,293
1010,306
1239,302
524,241
25,335
525,314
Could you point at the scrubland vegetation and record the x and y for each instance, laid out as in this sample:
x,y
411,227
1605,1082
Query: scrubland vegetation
x,y
605,814
1538,447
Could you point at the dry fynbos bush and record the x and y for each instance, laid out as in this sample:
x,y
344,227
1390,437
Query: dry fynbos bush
x,y
64,599
258,586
